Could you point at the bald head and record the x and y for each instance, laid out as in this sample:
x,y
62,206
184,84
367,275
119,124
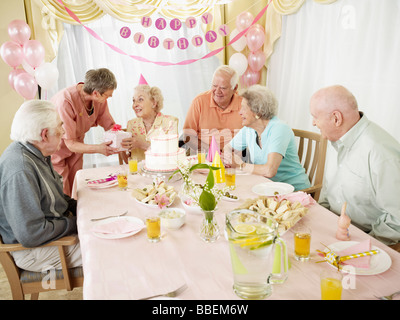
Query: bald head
x,y
334,110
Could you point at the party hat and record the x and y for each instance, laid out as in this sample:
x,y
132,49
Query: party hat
x,y
142,80
211,151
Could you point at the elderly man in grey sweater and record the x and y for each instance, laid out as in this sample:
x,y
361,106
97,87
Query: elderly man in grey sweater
x,y
33,208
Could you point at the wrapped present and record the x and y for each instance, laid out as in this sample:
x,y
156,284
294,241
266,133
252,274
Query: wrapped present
x,y
116,135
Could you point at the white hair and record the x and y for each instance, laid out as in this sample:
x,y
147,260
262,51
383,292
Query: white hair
x,y
31,118
227,70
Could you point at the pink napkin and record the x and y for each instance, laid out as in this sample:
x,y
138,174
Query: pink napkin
x,y
119,226
362,262
305,199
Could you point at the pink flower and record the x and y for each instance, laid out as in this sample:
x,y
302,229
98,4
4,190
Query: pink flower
x,y
162,201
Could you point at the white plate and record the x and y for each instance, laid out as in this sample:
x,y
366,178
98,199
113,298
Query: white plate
x,y
103,185
230,199
151,205
271,188
379,262
117,235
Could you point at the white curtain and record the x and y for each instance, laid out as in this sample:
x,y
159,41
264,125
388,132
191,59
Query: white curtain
x,y
79,52
350,42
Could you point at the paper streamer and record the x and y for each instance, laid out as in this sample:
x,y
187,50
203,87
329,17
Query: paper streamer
x,y
160,63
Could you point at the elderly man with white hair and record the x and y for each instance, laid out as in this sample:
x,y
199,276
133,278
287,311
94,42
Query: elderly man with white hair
x,y
214,112
367,175
33,207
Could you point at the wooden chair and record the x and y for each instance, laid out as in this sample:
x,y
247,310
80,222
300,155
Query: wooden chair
x,y
26,282
312,154
121,159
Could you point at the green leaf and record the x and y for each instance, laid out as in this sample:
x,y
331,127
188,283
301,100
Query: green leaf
x,y
207,201
173,173
199,166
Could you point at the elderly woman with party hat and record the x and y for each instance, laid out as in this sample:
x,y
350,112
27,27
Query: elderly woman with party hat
x,y
147,103
270,141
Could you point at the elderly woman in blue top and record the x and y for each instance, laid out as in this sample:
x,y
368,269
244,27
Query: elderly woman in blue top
x,y
269,141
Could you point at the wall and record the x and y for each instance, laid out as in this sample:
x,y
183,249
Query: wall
x,y
9,99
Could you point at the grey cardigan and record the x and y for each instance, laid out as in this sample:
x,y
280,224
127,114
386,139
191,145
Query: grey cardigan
x,y
33,208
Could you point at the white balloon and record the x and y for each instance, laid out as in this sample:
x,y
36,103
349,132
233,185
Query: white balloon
x,y
46,75
27,67
240,43
239,62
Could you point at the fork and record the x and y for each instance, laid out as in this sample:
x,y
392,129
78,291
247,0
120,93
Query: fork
x,y
169,294
119,215
389,297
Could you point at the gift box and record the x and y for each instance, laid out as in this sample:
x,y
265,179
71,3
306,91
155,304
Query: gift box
x,y
116,135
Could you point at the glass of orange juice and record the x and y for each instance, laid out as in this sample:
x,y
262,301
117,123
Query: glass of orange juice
x,y
230,177
201,156
132,165
153,224
122,178
331,285
302,242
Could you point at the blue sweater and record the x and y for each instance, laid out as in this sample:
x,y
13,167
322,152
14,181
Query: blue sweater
x,y
33,208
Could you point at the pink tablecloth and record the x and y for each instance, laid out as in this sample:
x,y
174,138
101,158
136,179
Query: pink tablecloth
x,y
132,267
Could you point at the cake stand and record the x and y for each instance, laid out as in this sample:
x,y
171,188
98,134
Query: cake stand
x,y
159,174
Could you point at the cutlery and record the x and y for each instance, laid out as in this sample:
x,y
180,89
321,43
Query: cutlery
x,y
389,297
120,215
169,294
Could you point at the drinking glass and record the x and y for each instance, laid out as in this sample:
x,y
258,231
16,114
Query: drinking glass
x,y
153,224
331,285
132,165
201,156
302,241
230,177
122,177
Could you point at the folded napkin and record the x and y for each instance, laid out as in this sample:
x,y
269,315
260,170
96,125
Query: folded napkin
x,y
362,262
109,179
119,226
305,199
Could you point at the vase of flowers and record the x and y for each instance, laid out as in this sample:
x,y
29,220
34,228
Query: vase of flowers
x,y
205,196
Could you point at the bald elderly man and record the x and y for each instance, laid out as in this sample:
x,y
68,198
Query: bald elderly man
x,y
367,175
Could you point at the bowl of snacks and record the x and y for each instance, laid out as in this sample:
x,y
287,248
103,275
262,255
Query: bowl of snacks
x,y
172,218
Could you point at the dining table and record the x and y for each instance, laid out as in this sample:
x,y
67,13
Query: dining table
x,y
131,268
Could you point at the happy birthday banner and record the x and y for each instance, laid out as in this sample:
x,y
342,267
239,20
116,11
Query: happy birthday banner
x,y
154,41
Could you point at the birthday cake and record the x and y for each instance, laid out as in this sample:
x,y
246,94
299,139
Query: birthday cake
x,y
164,153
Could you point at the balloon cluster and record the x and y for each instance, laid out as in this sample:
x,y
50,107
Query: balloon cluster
x,y
249,68
30,55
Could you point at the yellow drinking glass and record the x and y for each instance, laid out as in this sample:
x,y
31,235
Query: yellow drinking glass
x,y
122,178
201,157
153,224
331,285
133,165
302,242
230,177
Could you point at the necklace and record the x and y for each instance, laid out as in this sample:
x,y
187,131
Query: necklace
x,y
91,108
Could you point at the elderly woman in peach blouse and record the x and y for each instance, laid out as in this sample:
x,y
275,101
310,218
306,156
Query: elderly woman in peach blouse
x,y
149,121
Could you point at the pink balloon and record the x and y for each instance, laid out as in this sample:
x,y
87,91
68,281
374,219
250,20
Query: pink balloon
x,y
11,53
256,60
255,37
12,75
34,53
244,20
19,31
25,84
250,77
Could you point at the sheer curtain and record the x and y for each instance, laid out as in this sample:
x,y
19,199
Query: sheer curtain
x,y
79,52
350,42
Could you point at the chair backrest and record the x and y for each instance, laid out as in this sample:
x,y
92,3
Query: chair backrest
x,y
121,160
312,154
